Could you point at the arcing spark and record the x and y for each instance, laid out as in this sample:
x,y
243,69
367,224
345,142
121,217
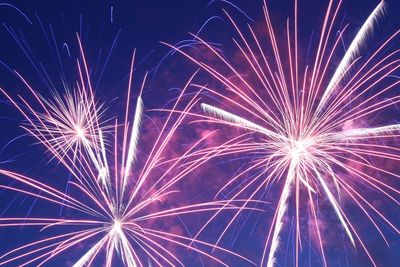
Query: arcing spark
x,y
121,203
353,50
302,117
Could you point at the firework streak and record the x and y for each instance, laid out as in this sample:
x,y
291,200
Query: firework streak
x,y
311,129
113,205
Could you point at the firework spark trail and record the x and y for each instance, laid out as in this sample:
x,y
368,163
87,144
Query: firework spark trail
x,y
303,126
104,186
16,9
353,50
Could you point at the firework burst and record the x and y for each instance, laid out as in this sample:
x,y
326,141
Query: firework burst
x,y
317,138
114,205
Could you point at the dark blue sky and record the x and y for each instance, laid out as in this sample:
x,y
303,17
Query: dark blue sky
x,y
142,24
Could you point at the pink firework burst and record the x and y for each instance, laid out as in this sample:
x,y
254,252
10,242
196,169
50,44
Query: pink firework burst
x,y
312,127
113,208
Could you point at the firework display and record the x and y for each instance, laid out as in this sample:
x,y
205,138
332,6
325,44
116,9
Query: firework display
x,y
301,113
119,205
302,138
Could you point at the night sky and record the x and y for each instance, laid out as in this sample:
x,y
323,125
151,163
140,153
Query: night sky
x,y
110,31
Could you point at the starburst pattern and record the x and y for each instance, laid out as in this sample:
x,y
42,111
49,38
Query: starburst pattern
x,y
113,208
312,128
